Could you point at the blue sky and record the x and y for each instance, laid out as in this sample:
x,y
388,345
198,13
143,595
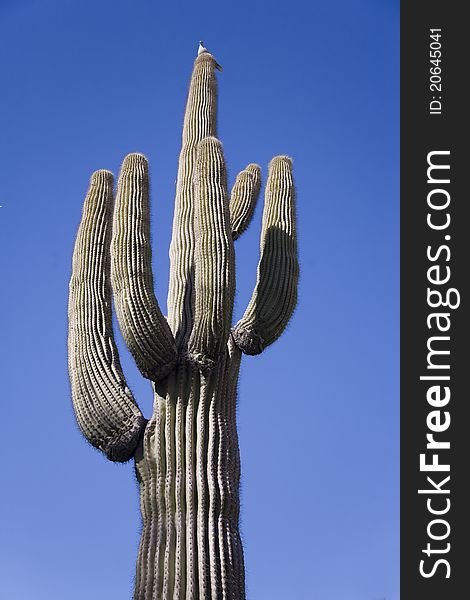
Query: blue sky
x,y
84,83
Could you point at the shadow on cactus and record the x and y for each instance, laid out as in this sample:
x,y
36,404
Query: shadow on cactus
x,y
186,456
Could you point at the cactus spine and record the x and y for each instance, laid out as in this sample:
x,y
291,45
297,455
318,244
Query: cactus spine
x,y
186,456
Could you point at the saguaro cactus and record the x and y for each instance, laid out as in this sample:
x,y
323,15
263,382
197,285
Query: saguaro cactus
x,y
186,456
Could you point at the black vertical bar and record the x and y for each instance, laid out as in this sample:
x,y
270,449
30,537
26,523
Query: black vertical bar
x,y
429,256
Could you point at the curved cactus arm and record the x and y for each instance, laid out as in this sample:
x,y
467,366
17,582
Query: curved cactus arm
x,y
199,123
243,199
275,295
105,408
142,324
214,258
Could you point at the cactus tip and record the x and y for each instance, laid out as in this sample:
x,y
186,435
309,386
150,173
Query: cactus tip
x,y
253,168
281,159
101,176
135,158
203,50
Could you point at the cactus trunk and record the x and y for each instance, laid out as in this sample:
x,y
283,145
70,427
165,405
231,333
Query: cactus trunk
x,y
188,468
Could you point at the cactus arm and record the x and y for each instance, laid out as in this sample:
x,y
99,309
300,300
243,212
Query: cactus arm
x,y
243,199
275,295
199,122
104,406
214,258
142,324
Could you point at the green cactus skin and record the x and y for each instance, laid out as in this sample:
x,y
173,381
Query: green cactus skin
x,y
105,408
214,259
243,199
143,326
199,122
186,456
275,294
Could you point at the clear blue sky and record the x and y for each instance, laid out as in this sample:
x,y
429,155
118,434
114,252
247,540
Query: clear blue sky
x,y
85,82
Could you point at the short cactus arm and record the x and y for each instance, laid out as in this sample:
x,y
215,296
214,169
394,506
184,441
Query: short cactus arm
x,y
143,326
105,408
199,123
275,295
243,199
214,258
